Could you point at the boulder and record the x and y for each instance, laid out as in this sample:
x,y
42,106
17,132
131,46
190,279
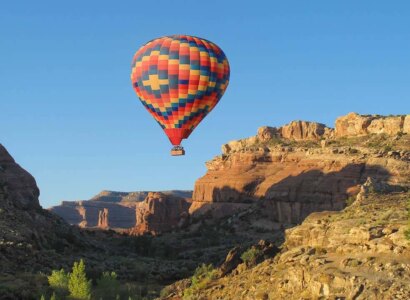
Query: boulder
x,y
352,124
303,130
388,125
238,145
267,133
232,260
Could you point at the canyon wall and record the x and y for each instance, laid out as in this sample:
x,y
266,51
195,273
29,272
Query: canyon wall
x,y
304,167
108,209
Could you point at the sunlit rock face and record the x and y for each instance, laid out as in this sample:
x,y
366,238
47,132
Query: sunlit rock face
x,y
354,124
160,213
304,167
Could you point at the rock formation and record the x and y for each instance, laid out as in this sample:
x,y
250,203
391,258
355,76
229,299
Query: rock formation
x,y
103,219
302,130
295,179
119,205
354,124
87,213
160,213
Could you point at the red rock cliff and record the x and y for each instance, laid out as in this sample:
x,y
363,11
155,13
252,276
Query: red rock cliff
x,y
295,174
160,213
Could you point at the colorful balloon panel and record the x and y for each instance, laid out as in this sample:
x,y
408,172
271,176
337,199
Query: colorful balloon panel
x,y
179,79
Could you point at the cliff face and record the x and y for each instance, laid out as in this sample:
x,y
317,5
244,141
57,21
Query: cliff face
x,y
87,213
160,213
108,209
304,167
354,124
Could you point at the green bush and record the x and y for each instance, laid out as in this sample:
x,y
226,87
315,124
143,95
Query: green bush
x,y
108,286
387,148
251,256
58,281
202,276
78,284
407,233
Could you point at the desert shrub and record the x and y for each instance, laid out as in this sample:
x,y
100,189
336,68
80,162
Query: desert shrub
x,y
78,284
272,142
320,251
386,217
166,291
140,244
58,281
407,233
350,200
202,276
209,237
251,256
164,250
387,148
371,189
107,286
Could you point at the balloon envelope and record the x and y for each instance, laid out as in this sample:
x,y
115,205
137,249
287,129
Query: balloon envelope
x,y
179,79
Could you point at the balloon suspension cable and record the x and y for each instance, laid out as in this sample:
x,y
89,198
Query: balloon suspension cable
x,y
177,151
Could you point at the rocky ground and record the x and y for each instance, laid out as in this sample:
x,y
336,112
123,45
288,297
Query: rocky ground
x,y
358,253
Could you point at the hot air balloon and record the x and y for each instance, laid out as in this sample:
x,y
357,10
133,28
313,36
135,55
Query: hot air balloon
x,y
179,79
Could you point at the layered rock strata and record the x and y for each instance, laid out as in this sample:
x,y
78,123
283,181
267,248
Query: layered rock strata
x,y
295,174
160,213
114,208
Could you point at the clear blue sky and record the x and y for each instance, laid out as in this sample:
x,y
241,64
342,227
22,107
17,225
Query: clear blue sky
x,y
69,114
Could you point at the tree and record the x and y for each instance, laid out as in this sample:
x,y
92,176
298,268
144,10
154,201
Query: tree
x,y
58,281
78,284
107,286
251,256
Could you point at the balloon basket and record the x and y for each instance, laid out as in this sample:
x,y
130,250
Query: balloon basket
x,y
177,151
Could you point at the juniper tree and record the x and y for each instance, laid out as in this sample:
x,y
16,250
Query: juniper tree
x,y
78,284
